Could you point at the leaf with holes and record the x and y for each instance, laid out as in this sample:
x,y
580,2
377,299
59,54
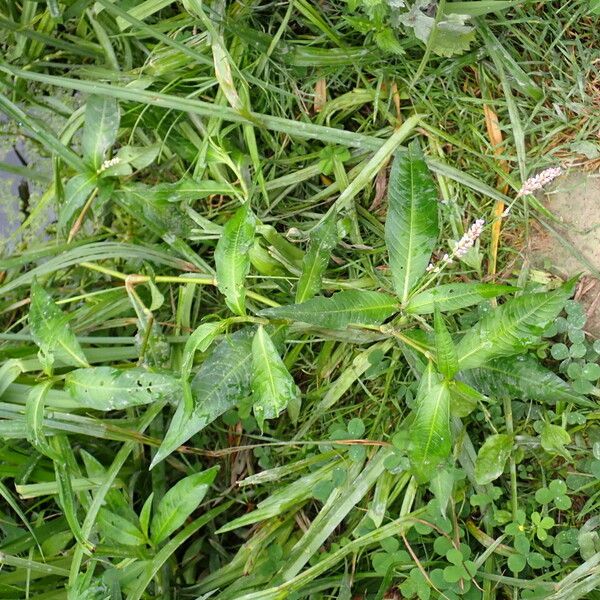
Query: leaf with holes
x,y
107,388
512,327
232,258
221,382
411,226
272,385
430,440
358,307
51,332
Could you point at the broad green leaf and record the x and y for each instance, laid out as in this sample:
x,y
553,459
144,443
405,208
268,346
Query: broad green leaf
x,y
411,226
554,438
232,259
446,36
464,398
100,129
347,307
272,385
221,382
492,457
447,362
138,156
454,296
452,35
77,191
442,484
430,440
107,388
51,331
179,503
200,340
523,377
118,529
323,240
511,328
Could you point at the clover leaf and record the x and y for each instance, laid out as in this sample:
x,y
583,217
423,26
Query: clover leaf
x,y
556,493
542,525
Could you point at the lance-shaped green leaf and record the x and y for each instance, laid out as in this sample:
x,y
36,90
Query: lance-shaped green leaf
x,y
51,331
447,362
512,327
430,440
179,503
221,382
77,191
454,296
100,129
411,226
201,339
523,377
492,457
272,385
347,307
232,258
34,417
107,388
323,239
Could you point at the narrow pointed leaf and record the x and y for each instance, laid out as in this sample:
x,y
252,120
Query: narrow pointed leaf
x,y
51,331
411,226
492,457
272,385
232,258
100,129
454,296
77,191
430,440
34,416
179,503
340,310
107,388
512,327
221,382
447,362
322,241
523,377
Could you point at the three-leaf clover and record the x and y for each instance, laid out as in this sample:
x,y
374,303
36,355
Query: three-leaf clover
x,y
524,556
354,430
542,525
330,155
391,556
556,493
415,585
460,567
